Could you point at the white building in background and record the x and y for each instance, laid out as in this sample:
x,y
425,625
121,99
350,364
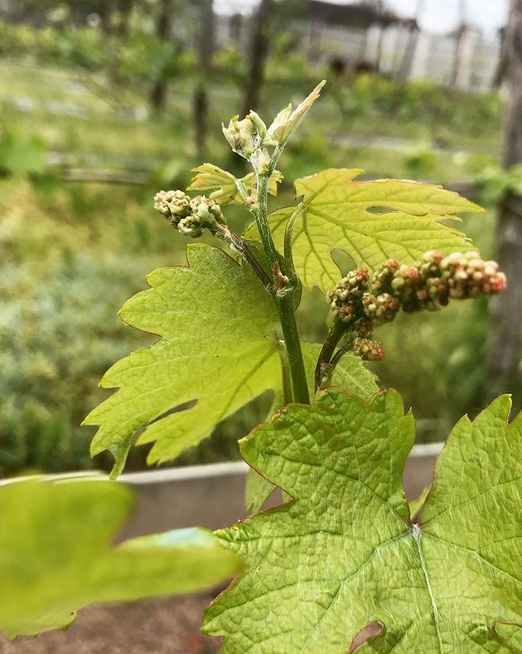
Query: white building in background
x,y
444,51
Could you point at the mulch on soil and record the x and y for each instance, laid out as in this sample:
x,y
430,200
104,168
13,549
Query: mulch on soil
x,y
165,626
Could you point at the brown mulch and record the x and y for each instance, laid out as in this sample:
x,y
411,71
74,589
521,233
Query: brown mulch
x,y
164,626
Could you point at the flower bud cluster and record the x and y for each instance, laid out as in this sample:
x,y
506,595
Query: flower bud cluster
x,y
345,299
245,136
368,350
436,279
361,302
380,308
189,215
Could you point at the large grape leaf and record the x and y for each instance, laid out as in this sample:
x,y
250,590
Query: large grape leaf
x,y
350,374
344,555
217,352
57,556
371,220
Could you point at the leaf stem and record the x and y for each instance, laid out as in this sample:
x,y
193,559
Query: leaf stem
x,y
242,247
325,357
242,192
282,292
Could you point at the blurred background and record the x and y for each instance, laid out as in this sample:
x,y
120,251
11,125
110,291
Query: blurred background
x,y
104,102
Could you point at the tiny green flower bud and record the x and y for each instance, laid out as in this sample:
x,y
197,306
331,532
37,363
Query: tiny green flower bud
x,y
381,308
383,277
345,298
173,205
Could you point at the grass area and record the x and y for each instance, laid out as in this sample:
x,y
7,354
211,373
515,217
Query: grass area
x,y
70,254
81,113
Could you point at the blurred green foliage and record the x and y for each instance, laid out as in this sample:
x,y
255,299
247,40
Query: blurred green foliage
x,y
71,254
436,108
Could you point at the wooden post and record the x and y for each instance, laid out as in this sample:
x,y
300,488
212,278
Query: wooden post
x,y
259,46
506,315
158,94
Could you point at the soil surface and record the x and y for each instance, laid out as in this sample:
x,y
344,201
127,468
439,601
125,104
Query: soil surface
x,y
165,626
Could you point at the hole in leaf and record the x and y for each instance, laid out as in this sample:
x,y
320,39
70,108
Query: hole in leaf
x,y
378,210
509,634
177,409
370,632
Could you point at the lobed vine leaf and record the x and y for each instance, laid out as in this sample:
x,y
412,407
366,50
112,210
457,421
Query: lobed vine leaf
x,y
223,184
371,220
216,353
57,554
288,119
343,557
350,373
197,374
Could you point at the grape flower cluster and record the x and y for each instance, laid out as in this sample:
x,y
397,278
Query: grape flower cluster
x,y
360,301
189,215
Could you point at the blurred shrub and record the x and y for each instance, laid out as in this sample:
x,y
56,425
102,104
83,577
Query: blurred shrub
x,y
21,154
139,57
494,182
307,155
425,102
58,334
420,161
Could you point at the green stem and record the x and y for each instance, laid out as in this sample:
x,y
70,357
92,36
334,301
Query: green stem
x,y
283,295
262,221
285,372
285,307
288,242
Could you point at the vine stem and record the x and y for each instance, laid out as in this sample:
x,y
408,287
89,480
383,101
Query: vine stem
x,y
242,247
282,292
288,242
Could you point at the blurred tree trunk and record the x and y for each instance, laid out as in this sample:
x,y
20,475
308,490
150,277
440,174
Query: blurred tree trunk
x,y
236,30
105,13
205,51
158,94
259,47
409,53
500,70
124,13
506,316
378,55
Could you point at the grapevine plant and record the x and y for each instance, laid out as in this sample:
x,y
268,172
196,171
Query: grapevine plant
x,y
344,564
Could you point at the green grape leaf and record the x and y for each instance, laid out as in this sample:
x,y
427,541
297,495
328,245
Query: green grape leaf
x,y
210,177
57,554
343,557
216,353
371,220
350,374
